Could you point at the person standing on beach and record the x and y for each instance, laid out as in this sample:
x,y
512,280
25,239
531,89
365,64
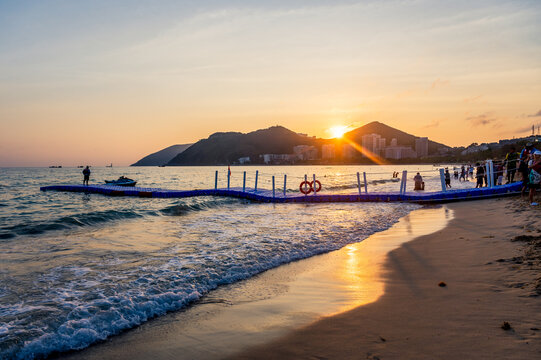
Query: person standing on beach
x,y
511,164
86,175
534,178
462,173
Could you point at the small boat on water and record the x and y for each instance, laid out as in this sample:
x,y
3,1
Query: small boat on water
x,y
122,181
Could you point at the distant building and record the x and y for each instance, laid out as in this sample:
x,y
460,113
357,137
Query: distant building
x,y
348,152
278,158
373,143
421,146
399,152
244,160
381,144
473,149
328,151
305,152
394,142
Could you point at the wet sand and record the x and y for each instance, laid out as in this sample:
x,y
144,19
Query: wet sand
x,y
272,304
488,261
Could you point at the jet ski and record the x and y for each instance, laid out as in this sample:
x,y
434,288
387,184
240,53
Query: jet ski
x,y
122,181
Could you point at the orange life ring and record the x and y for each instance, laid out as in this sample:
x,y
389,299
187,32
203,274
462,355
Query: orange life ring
x,y
306,187
317,188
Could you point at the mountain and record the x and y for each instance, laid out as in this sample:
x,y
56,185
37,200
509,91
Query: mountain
x,y
228,147
163,156
387,132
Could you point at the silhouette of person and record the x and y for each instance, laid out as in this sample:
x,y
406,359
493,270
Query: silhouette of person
x,y
419,184
86,175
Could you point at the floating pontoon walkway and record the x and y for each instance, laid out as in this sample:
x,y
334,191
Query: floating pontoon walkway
x,y
269,196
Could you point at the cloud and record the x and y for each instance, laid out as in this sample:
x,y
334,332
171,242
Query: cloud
x,y
525,129
439,82
432,124
536,114
472,99
482,120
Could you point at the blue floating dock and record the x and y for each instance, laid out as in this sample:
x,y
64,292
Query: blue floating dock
x,y
268,196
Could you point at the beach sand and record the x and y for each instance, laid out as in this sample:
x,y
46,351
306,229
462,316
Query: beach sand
x,y
489,259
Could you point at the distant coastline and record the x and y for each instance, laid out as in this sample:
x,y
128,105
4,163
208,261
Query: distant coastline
x,y
372,144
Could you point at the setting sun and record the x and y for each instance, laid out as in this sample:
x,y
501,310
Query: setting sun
x,y
338,131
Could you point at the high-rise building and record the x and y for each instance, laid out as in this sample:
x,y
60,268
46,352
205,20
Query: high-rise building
x,y
328,151
399,152
421,146
348,152
381,145
305,152
373,143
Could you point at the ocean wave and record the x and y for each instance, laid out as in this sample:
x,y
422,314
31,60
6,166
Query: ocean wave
x,y
189,206
67,222
384,181
99,217
97,302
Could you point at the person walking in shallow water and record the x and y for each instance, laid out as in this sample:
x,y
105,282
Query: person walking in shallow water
x,y
447,178
86,175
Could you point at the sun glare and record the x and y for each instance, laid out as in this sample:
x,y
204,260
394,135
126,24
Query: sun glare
x,y
338,131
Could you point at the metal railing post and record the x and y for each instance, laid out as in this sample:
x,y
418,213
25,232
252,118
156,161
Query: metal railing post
x,y
365,184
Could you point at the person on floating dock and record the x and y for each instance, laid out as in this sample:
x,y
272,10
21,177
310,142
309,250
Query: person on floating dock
x,y
534,178
511,164
419,184
480,175
525,157
86,175
447,178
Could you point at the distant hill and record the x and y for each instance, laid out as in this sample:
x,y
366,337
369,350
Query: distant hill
x,y
387,132
162,157
228,147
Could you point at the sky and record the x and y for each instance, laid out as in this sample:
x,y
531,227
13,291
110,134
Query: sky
x,y
100,82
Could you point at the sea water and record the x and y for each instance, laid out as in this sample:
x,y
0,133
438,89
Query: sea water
x,y
78,268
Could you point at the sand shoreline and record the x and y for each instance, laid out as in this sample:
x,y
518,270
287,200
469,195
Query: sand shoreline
x,y
489,280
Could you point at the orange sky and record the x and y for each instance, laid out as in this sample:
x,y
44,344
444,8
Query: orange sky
x,y
100,83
